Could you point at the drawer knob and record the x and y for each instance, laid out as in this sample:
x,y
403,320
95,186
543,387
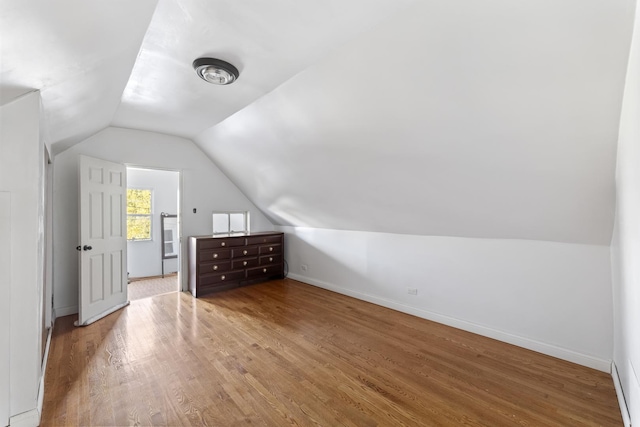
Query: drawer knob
x,y
215,255
244,263
270,259
215,267
264,270
270,248
223,277
223,244
244,252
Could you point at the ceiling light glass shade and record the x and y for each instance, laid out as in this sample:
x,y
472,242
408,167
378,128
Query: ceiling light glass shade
x,y
215,71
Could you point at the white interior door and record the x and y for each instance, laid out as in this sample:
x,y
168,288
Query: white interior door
x,y
103,238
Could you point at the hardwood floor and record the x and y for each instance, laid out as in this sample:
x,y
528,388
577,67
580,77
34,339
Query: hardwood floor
x,y
286,353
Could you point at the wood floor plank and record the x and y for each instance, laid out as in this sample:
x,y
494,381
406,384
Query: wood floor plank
x,y
286,353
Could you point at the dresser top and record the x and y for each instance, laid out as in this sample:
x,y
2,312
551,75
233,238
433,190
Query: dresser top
x,y
227,235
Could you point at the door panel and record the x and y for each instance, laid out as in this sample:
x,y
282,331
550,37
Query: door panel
x,y
117,206
116,272
103,240
96,223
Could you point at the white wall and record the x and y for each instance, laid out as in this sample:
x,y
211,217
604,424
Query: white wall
x,y
554,298
144,258
22,176
625,246
204,188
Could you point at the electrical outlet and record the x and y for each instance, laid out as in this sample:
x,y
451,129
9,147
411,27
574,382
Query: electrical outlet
x,y
412,291
304,267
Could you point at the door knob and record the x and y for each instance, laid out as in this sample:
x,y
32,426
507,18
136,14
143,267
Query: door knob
x,y
86,248
78,248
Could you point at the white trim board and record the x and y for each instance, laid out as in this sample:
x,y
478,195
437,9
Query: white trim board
x,y
633,394
624,410
65,311
26,419
32,418
5,305
44,371
540,347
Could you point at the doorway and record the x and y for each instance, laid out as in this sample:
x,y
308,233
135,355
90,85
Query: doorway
x,y
152,195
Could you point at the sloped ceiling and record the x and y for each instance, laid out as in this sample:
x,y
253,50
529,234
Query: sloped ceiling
x,y
79,55
99,63
488,118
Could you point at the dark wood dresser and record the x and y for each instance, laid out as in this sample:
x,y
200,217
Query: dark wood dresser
x,y
229,260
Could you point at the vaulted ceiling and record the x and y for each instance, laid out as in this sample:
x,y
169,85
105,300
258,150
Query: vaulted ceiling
x,y
469,118
129,64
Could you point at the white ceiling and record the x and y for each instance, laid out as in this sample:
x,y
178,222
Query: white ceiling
x,y
488,118
268,41
100,63
78,53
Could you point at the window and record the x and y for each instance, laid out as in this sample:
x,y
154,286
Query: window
x,y
138,214
169,224
230,222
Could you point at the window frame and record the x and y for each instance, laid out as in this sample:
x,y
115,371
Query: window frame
x,y
246,220
149,215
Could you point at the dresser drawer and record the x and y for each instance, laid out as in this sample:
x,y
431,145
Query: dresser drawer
x,y
244,251
270,249
267,271
270,259
212,267
257,240
238,264
221,243
220,278
215,254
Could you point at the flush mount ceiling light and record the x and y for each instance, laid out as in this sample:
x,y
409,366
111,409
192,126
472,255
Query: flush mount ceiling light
x,y
215,71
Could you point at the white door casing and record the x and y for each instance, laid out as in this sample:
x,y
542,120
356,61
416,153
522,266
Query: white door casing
x,y
5,308
103,238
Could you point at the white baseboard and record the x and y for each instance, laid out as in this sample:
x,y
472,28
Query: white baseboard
x,y
65,311
633,401
624,410
540,347
26,419
32,418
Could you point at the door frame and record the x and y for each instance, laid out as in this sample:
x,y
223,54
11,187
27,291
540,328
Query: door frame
x,y
47,318
5,305
181,265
